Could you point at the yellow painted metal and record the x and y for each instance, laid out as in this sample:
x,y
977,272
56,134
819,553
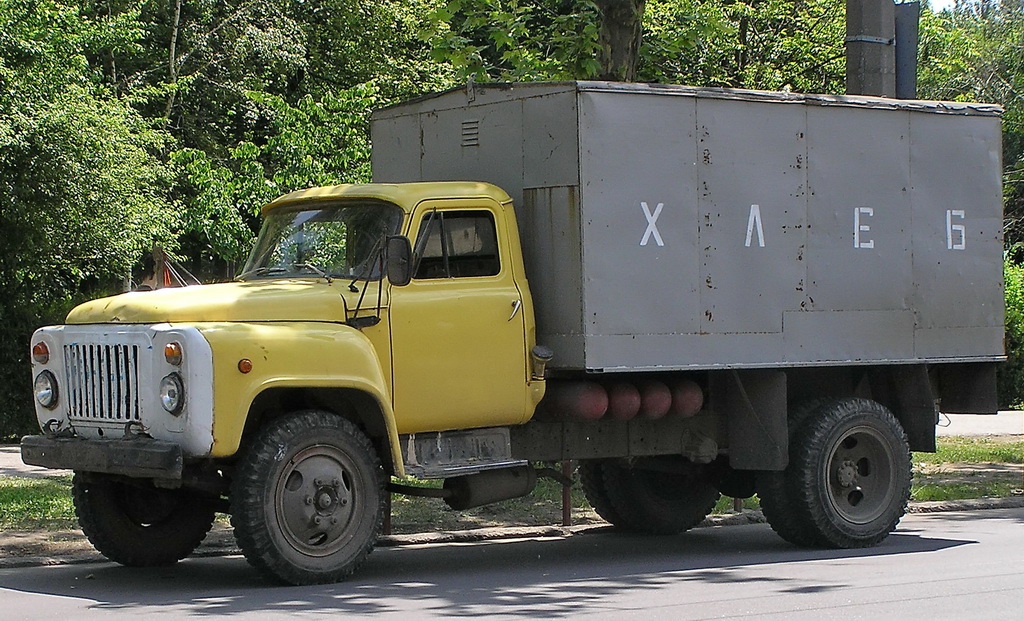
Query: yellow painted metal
x,y
405,195
309,299
448,354
292,355
459,345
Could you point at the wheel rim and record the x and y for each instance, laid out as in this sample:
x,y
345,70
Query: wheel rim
x,y
860,474
315,498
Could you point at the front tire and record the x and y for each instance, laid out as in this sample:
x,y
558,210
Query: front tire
x,y
850,473
138,525
307,499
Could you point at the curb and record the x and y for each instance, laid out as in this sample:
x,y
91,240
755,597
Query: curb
x,y
222,544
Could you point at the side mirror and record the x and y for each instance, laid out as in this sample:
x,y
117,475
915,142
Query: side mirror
x,y
399,260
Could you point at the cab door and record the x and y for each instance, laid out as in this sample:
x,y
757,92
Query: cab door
x,y
457,330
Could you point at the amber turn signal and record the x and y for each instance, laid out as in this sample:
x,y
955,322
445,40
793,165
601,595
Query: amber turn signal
x,y
41,353
172,353
245,365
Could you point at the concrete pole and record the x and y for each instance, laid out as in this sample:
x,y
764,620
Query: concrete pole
x,y
908,16
870,47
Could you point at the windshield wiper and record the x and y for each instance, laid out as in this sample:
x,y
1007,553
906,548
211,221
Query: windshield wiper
x,y
260,271
374,260
313,268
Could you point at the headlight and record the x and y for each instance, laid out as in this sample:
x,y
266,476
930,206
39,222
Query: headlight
x,y
172,393
46,390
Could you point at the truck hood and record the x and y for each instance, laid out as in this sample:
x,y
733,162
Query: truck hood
x,y
264,300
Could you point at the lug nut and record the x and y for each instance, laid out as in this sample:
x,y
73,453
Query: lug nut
x,y
317,520
309,500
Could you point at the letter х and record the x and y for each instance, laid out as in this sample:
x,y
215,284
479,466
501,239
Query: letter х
x,y
652,227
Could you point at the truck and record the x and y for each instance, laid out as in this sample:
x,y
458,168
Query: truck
x,y
687,292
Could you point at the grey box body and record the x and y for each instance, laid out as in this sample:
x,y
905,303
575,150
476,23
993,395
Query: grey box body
x,y
669,227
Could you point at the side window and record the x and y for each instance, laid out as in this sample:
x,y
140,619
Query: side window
x,y
457,244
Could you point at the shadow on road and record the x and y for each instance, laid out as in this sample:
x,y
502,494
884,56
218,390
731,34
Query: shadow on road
x,y
545,578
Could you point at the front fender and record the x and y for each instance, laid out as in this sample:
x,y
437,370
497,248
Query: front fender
x,y
289,355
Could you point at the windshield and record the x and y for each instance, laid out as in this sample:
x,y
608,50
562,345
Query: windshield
x,y
334,240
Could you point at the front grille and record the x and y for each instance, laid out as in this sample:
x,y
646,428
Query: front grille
x,y
102,381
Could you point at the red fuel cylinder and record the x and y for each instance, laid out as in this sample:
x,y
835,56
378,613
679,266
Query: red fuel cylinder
x,y
655,399
623,401
579,400
687,398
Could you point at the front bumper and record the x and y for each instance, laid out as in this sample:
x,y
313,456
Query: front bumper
x,y
133,457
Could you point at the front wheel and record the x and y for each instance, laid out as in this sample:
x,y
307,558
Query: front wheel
x,y
136,524
850,473
307,499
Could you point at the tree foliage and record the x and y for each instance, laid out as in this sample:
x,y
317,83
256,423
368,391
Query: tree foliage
x,y
129,122
767,44
83,188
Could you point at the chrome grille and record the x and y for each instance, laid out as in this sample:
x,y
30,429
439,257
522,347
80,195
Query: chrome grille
x,y
102,381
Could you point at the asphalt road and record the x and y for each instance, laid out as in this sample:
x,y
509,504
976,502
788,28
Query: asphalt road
x,y
937,566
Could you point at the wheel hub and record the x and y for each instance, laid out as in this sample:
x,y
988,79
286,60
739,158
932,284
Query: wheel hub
x,y
859,483
847,474
325,501
315,500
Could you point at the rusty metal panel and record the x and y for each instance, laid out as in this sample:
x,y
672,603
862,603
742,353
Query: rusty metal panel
x,y
859,214
549,224
644,248
474,144
753,204
849,336
957,231
551,141
639,219
398,158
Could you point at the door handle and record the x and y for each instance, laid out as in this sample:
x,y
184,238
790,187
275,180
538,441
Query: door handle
x,y
515,309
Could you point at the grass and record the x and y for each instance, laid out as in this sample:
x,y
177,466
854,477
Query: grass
x,y
986,449
28,504
962,468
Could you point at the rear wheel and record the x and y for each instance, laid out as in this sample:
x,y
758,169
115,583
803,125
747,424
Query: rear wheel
x,y
592,482
776,490
848,481
308,499
139,525
663,501
855,466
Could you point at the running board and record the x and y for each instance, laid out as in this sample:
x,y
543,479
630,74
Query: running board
x,y
446,454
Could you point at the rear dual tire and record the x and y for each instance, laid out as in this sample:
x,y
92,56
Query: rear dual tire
x,y
848,480
648,501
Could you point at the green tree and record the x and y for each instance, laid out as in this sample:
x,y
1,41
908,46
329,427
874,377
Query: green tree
x,y
768,44
83,192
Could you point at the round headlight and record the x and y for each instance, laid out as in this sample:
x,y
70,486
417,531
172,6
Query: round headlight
x,y
172,393
46,390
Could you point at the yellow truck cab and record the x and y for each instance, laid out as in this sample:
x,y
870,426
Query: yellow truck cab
x,y
184,388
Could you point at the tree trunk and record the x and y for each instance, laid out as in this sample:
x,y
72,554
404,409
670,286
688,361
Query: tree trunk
x,y
172,58
619,38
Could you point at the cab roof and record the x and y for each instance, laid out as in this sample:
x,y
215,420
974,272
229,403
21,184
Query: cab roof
x,y
405,195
